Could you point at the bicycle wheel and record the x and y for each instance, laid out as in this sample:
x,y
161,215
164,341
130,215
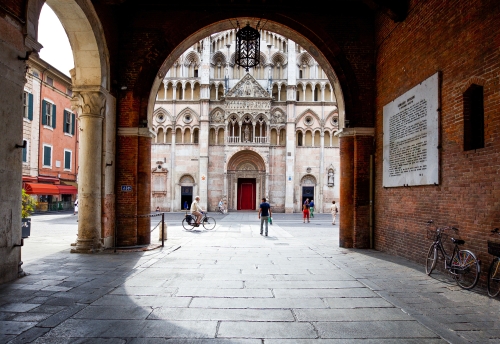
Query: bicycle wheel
x,y
209,223
432,257
186,225
494,278
467,269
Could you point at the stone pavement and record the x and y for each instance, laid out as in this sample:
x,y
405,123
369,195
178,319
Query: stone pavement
x,y
231,285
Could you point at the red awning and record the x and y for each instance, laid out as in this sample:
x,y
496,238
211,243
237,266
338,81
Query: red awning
x,y
67,189
41,189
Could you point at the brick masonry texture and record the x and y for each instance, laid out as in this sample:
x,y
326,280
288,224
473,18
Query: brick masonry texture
x,y
461,40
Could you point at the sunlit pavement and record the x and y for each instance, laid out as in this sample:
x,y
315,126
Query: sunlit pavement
x,y
232,285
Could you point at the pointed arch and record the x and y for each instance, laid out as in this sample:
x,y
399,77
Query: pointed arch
x,y
308,111
185,111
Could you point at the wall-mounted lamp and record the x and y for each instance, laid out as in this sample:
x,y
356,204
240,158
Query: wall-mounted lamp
x,y
23,145
123,88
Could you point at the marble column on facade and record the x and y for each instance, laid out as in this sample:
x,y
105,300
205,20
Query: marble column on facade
x,y
319,201
90,107
203,162
356,146
173,175
290,152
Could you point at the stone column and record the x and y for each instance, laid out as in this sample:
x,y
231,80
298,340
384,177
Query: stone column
x,y
90,106
319,202
203,144
290,151
356,146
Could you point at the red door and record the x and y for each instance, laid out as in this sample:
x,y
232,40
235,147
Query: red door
x,y
246,194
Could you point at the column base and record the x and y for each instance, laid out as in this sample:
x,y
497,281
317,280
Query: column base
x,y
288,210
86,246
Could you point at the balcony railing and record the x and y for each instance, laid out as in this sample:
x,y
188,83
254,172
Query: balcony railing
x,y
256,140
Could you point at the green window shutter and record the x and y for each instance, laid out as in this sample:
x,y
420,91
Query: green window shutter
x,y
54,116
25,154
30,106
66,114
44,112
73,123
67,160
47,158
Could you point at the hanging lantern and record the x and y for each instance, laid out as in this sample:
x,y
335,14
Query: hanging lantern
x,y
247,47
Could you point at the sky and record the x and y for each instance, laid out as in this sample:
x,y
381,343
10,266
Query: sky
x,y
56,48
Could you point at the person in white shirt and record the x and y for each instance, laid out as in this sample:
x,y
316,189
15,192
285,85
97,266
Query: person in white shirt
x,y
334,210
221,206
197,210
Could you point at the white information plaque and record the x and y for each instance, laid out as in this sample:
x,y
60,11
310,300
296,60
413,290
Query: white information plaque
x,y
411,136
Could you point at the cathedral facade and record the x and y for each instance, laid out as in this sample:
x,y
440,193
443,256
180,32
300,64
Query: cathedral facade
x,y
222,132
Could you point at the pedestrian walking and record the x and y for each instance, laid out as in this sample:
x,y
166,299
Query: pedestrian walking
x,y
76,207
311,207
305,212
264,214
334,210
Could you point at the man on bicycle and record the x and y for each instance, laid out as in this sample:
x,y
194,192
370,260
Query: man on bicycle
x,y
197,210
221,206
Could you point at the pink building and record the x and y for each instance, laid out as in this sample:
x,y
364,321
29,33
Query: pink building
x,y
50,156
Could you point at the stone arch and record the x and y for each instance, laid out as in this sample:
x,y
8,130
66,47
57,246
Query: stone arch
x,y
305,113
243,156
279,57
184,111
192,58
329,58
85,34
162,111
308,179
219,57
186,179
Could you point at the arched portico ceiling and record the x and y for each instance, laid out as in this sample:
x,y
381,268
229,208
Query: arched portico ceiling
x,y
282,29
85,34
239,158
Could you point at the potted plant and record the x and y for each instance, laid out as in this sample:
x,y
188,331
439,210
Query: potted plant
x,y
27,208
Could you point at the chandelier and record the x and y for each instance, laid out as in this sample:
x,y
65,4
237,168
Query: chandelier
x,y
247,47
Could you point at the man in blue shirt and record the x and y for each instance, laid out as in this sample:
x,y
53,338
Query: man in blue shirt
x,y
311,208
264,213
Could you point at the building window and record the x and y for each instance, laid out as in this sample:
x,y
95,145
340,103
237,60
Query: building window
x,y
25,151
196,73
47,156
300,74
49,114
69,92
299,139
195,136
297,96
50,81
69,122
28,105
67,159
473,118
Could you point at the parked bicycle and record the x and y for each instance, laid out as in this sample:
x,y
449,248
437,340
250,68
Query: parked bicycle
x,y
494,272
189,222
461,264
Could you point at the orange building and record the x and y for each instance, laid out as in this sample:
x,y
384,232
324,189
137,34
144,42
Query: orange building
x,y
50,156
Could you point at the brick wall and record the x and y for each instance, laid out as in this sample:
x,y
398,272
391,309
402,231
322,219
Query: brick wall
x,y
461,39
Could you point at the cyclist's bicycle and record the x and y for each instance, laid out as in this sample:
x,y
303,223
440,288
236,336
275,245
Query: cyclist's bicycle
x,y
494,272
189,222
462,264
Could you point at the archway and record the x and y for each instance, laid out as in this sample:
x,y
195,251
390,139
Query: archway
x,y
96,110
246,180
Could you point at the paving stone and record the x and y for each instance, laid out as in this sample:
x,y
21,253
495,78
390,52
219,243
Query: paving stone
x,y
358,314
30,316
146,291
202,292
370,302
222,314
142,301
61,316
193,341
373,329
15,327
303,284
243,329
179,329
117,312
29,335
262,303
307,293
18,307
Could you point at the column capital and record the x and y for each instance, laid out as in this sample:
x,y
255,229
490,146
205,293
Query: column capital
x,y
91,103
